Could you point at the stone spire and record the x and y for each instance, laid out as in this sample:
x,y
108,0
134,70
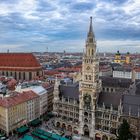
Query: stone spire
x,y
90,28
90,42
90,36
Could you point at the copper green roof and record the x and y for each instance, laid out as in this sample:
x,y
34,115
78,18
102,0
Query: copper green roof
x,y
47,135
35,122
118,53
22,129
28,137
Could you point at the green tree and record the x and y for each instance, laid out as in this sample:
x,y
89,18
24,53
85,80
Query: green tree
x,y
124,131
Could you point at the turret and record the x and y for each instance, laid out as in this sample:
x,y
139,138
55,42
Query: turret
x,y
117,57
56,89
127,58
56,95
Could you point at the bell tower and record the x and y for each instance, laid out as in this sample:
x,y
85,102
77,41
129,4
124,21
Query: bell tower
x,y
90,86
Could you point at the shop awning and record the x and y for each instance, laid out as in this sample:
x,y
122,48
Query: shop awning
x,y
22,129
35,122
28,137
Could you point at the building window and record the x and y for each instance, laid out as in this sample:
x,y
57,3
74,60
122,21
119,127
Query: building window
x,y
99,114
3,73
107,89
86,120
66,99
89,77
92,52
89,52
30,75
15,75
23,75
106,116
106,128
19,75
86,114
106,122
114,117
37,73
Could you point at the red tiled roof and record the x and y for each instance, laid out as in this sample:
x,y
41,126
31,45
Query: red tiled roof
x,y
137,69
18,61
17,99
104,68
74,69
51,72
46,85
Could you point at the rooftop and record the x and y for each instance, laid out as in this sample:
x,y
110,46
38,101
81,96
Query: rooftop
x,y
116,82
39,90
131,104
17,98
18,60
70,91
124,69
109,99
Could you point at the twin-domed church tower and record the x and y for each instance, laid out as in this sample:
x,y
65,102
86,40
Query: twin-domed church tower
x,y
90,86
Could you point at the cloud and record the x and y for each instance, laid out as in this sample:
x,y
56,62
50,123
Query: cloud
x,y
82,6
59,22
132,46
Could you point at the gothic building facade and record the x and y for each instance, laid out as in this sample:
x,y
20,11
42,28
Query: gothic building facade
x,y
95,106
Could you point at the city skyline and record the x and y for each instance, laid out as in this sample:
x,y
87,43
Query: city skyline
x,y
61,25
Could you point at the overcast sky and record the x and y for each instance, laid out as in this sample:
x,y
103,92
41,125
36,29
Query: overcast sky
x,y
34,25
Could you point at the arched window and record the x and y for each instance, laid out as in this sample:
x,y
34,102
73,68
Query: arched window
x,y
86,77
3,73
30,75
58,124
86,114
107,89
15,75
92,52
19,75
89,77
88,51
104,137
23,75
86,120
